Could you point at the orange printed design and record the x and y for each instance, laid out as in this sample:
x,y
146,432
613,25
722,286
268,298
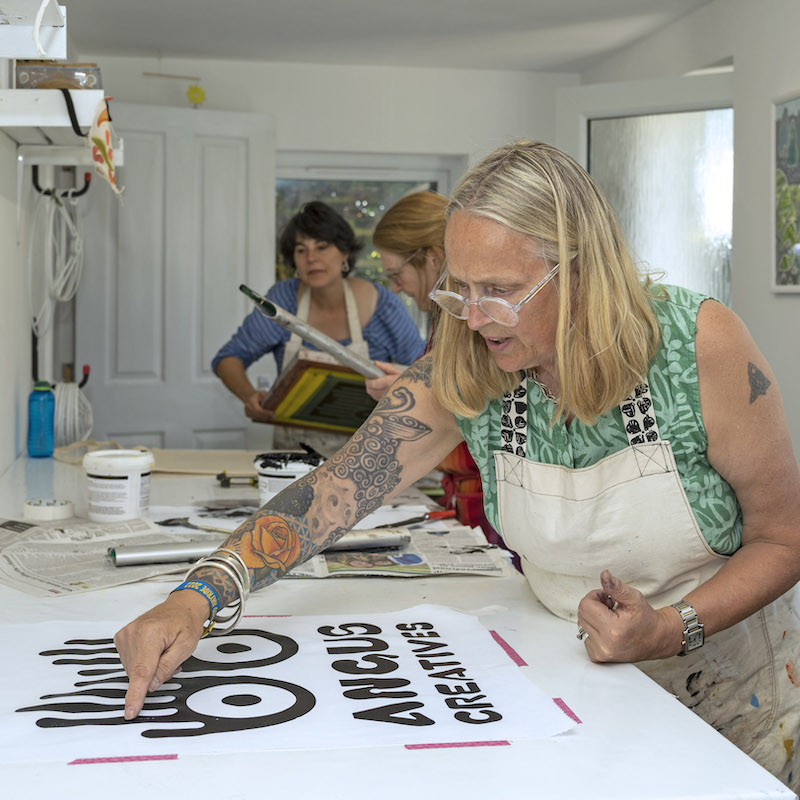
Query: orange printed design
x,y
102,149
791,672
272,543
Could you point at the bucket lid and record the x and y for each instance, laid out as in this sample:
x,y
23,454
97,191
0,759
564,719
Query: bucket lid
x,y
119,459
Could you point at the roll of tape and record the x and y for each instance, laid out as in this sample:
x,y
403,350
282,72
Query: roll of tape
x,y
48,508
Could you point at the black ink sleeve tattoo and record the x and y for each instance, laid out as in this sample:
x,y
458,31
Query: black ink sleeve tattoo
x,y
319,508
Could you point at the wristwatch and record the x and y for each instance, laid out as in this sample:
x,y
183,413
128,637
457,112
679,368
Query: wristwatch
x,y
693,636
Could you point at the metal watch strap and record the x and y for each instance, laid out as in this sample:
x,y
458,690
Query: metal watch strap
x,y
693,636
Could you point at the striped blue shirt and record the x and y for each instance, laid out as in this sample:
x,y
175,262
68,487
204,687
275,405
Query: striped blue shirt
x,y
390,332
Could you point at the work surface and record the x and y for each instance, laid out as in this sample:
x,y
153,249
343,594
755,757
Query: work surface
x,y
633,741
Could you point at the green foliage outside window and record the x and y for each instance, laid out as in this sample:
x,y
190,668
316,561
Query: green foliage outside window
x,y
361,203
787,230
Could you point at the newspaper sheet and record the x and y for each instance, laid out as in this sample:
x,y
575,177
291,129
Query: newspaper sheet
x,y
440,547
448,550
52,559
71,556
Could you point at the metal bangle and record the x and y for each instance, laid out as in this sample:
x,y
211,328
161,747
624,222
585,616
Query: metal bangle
x,y
211,561
234,616
245,572
230,569
223,565
233,620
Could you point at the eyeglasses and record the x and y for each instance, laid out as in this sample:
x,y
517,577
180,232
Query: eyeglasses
x,y
393,275
497,309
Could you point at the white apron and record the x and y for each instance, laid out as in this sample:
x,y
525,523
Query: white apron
x,y
629,514
288,437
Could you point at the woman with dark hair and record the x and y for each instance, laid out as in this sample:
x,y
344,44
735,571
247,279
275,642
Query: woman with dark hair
x,y
319,245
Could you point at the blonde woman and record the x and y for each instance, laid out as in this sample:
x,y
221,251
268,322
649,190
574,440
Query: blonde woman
x,y
410,240
632,442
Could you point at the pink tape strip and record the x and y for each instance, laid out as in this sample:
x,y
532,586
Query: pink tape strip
x,y
441,745
512,653
122,759
566,709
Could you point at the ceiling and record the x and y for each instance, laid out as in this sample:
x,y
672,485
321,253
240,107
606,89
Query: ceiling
x,y
546,35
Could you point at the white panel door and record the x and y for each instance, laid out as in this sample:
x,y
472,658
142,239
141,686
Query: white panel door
x,y
159,293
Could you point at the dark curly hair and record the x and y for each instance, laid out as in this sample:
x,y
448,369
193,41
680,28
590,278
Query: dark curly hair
x,y
317,220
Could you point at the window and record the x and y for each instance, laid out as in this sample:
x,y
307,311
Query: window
x,y
361,188
669,178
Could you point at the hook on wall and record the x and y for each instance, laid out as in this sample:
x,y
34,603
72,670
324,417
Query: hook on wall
x,y
87,179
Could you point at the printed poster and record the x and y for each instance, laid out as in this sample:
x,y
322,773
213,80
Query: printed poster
x,y
427,675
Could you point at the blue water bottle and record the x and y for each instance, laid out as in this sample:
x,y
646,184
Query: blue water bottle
x,y
41,414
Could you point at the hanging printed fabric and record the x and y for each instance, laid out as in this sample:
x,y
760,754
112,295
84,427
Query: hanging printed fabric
x,y
100,139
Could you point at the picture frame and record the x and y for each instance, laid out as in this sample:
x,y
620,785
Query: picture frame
x,y
786,193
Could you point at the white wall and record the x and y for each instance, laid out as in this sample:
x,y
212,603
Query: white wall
x,y
762,39
314,108
357,109
15,329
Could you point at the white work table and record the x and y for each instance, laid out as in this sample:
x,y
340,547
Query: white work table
x,y
635,741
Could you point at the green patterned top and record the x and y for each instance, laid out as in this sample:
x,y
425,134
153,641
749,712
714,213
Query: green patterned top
x,y
676,401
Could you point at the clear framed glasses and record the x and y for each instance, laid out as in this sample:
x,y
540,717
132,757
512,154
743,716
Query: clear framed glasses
x,y
498,310
393,275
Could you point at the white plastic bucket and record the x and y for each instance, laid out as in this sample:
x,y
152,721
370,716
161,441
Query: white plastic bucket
x,y
118,484
276,471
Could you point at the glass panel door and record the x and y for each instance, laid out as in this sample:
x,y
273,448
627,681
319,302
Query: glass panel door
x,y
669,178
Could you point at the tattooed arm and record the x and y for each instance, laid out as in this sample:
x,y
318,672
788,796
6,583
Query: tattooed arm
x,y
749,446
406,435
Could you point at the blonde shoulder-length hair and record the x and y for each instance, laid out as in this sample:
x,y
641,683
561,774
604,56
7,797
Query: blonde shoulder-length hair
x,y
411,226
607,331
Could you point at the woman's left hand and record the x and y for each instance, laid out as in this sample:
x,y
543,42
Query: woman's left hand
x,y
621,626
377,387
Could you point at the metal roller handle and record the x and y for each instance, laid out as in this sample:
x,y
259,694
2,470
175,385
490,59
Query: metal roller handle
x,y
310,334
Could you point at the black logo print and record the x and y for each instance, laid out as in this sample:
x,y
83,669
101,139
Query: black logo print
x,y
228,702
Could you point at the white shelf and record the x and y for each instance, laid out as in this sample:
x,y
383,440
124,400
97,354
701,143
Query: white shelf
x,y
64,155
39,116
18,31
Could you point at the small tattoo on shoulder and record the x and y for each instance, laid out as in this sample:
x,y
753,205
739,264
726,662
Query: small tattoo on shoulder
x,y
759,382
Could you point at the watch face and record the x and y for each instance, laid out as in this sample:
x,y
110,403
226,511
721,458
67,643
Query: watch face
x,y
694,639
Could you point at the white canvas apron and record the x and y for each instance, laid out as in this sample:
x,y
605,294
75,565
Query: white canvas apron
x,y
629,514
287,437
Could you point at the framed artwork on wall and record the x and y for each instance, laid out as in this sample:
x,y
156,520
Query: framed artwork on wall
x,y
786,239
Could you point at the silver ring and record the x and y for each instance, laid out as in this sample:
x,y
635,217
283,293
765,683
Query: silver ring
x,y
581,634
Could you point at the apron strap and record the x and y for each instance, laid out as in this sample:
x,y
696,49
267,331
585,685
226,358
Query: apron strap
x,y
357,342
637,415
353,322
293,345
639,418
514,419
